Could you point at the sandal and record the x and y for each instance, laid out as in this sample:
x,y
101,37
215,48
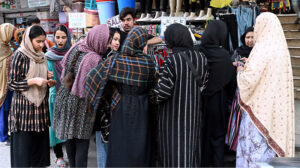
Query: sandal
x,y
61,162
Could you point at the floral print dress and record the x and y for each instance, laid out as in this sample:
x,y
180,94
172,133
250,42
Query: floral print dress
x,y
252,147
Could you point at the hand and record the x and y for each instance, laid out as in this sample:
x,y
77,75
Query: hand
x,y
244,59
50,75
145,50
51,83
37,81
240,68
235,64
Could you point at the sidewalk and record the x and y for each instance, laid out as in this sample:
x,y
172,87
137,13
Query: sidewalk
x,y
92,158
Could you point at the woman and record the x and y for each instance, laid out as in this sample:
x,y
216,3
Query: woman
x,y
266,96
221,72
6,34
132,73
113,48
244,50
62,40
71,121
29,116
178,94
239,57
18,35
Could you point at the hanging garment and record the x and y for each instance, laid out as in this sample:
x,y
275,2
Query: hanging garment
x,y
220,3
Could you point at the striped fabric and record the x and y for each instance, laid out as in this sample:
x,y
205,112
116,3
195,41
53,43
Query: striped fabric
x,y
24,116
179,98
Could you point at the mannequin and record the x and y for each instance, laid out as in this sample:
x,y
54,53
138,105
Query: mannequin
x,y
202,15
157,8
178,7
146,7
187,7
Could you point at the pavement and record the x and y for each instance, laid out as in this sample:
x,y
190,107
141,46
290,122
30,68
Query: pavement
x,y
92,157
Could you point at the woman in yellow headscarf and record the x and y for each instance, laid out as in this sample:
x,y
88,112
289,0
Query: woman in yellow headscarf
x,y
6,34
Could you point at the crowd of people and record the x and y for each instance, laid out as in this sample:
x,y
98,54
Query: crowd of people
x,y
176,115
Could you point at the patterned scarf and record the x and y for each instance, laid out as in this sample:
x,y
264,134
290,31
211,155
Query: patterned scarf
x,y
130,68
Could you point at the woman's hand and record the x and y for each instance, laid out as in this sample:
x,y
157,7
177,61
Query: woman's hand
x,y
50,75
239,67
51,83
37,81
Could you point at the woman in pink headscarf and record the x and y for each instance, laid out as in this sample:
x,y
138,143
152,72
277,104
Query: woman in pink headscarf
x,y
71,121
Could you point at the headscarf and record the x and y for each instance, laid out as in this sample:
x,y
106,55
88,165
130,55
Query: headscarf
x,y
37,68
19,35
131,67
134,45
244,50
95,45
56,54
6,34
221,70
266,86
178,35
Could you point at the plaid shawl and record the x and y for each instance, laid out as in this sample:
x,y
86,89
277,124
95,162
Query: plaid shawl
x,y
130,67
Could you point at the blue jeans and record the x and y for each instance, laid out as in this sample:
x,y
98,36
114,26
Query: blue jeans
x,y
245,18
101,150
4,109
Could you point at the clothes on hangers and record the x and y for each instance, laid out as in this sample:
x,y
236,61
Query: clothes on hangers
x,y
220,3
232,26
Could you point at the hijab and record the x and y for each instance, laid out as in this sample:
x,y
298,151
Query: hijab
x,y
19,34
266,86
37,68
95,46
178,36
135,42
6,34
244,50
56,54
221,70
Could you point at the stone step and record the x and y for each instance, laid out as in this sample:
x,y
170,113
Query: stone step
x,y
290,26
293,42
296,81
297,92
294,50
292,33
295,60
296,70
287,18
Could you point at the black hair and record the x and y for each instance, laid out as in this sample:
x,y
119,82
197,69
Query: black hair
x,y
36,31
112,32
32,19
61,28
127,11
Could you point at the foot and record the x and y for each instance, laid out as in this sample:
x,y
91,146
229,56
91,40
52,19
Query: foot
x,y
60,162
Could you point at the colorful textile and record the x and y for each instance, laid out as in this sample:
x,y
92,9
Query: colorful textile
x,y
220,3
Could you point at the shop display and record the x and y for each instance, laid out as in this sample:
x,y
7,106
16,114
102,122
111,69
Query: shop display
x,y
146,8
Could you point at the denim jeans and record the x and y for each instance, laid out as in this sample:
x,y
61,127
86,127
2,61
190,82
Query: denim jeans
x,y
101,150
245,18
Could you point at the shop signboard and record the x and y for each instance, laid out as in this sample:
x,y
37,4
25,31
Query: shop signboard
x,y
37,3
77,20
114,22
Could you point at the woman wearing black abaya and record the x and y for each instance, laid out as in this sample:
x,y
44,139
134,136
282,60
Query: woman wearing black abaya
x,y
221,72
178,93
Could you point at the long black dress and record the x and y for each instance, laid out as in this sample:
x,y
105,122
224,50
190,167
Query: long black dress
x,y
130,129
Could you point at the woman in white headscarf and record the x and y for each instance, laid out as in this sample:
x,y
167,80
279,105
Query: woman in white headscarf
x,y
265,82
6,34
